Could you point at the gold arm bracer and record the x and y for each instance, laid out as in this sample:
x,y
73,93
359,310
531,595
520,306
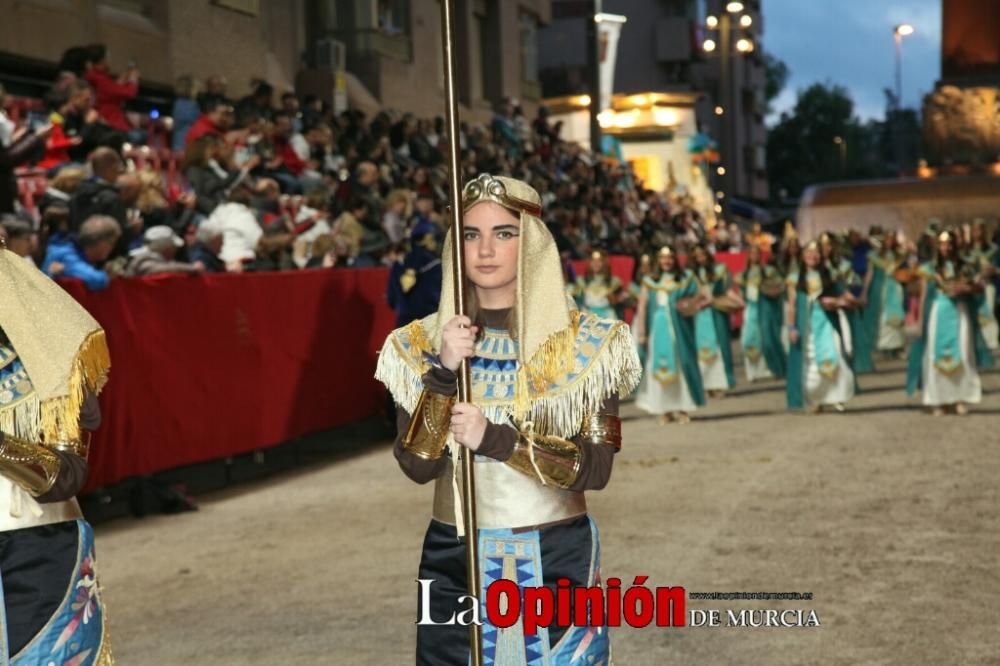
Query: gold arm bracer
x,y
428,430
554,461
78,447
29,465
602,427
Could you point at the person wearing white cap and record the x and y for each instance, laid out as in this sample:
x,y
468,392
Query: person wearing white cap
x,y
157,254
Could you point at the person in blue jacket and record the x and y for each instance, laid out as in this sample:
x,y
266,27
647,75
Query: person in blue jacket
x,y
79,256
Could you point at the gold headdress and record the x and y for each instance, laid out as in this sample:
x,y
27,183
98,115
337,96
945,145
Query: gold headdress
x,y
812,245
665,251
945,236
61,346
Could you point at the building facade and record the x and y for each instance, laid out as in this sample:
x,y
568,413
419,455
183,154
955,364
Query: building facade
x,y
388,51
660,52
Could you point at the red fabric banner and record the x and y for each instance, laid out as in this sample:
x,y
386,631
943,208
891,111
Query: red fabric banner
x,y
212,366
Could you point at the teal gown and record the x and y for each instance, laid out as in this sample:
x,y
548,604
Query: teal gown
x,y
763,320
671,379
886,309
712,329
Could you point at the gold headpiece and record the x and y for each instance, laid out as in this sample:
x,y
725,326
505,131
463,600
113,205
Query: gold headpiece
x,y
945,236
645,259
812,245
665,251
490,188
598,254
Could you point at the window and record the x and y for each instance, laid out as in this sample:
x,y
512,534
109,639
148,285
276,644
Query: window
x,y
529,48
393,17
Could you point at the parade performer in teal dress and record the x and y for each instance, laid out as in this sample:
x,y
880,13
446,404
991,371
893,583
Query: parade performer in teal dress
x,y
982,254
944,361
671,384
852,328
643,269
599,291
787,263
819,370
884,298
715,353
542,426
763,291
53,362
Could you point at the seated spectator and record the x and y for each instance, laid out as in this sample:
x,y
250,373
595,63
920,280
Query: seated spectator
x,y
20,235
60,189
349,227
241,232
80,257
397,210
6,124
185,111
99,195
216,120
156,210
55,223
290,106
327,251
209,168
111,93
208,246
76,126
286,166
259,104
157,255
311,223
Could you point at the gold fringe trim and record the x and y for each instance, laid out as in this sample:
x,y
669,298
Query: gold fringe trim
x,y
614,368
60,417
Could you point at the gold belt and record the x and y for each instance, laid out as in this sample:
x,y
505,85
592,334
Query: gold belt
x,y
506,498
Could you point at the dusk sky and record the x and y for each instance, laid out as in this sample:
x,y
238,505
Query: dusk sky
x,y
850,42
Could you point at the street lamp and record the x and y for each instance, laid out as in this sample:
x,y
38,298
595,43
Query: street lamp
x,y
734,7
841,143
898,32
708,45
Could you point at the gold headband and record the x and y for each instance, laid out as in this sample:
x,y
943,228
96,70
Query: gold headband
x,y
488,188
944,236
597,254
813,245
665,251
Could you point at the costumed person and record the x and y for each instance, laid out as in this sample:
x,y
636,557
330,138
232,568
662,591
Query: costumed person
x,y
945,359
982,254
711,324
763,291
414,288
53,362
852,329
544,426
643,268
819,371
884,297
599,291
671,380
787,261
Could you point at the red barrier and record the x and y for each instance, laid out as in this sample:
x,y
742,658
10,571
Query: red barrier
x,y
213,366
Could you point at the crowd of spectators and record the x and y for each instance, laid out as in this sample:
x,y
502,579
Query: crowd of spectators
x,y
276,182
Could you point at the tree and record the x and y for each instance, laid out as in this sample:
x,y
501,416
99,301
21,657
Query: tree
x,y
820,140
775,78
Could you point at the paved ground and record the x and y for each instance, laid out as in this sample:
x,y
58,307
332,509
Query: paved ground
x,y
887,515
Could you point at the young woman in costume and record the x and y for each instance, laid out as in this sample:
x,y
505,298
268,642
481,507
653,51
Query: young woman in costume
x,y
53,361
763,291
542,425
598,291
819,370
671,384
643,268
852,329
715,354
944,361
982,254
884,298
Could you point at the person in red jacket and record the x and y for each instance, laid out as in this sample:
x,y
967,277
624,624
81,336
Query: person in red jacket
x,y
111,93
217,120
